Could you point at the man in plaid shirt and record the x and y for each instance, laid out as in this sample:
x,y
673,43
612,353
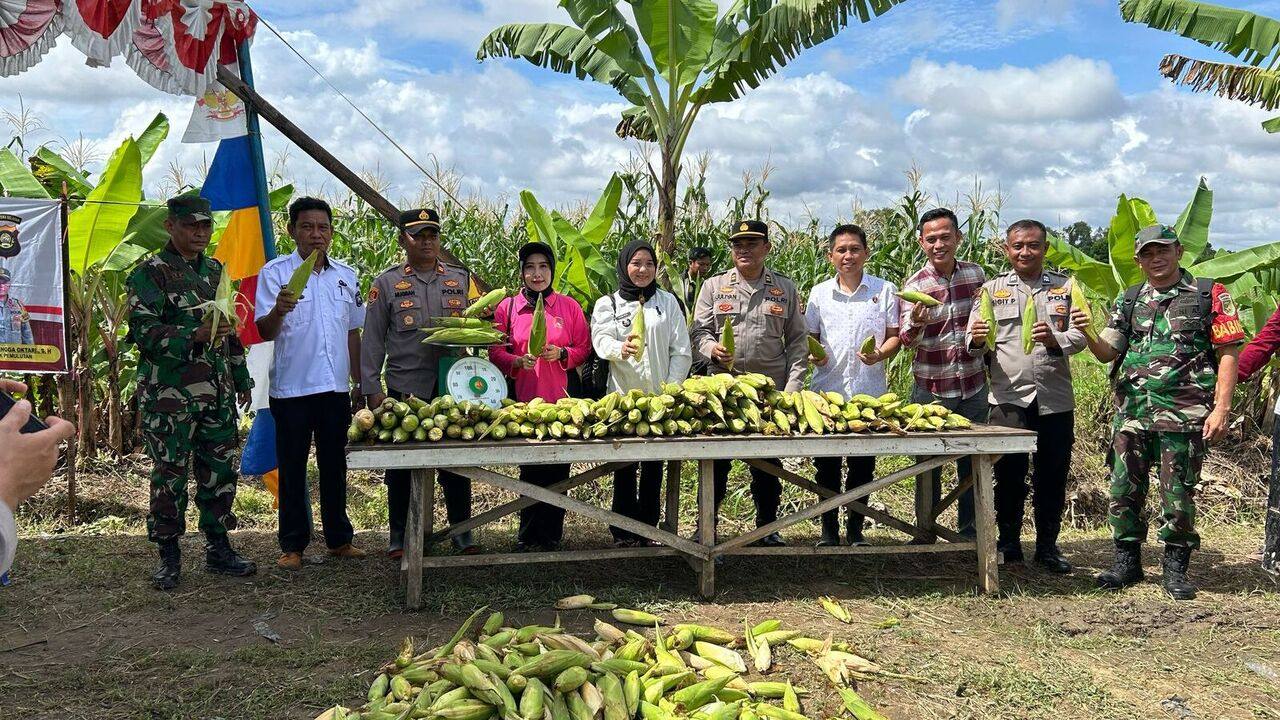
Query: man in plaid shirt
x,y
945,371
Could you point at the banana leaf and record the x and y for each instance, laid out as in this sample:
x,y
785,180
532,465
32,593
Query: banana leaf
x,y
16,179
150,139
62,171
1224,267
1096,278
1193,224
1132,214
97,227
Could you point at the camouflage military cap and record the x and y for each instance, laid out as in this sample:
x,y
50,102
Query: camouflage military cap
x,y
192,208
1155,234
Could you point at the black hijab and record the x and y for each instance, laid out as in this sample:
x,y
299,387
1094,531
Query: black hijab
x,y
627,289
537,248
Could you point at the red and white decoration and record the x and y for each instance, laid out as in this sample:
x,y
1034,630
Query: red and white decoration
x,y
173,45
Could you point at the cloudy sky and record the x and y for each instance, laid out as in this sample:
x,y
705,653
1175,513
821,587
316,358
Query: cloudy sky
x,y
1056,104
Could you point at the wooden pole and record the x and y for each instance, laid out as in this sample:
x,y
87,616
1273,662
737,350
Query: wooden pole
x,y
70,380
326,160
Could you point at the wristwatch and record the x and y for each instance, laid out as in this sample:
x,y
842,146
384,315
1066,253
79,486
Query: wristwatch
x,y
564,354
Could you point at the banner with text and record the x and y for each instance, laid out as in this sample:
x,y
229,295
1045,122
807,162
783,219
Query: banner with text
x,y
32,312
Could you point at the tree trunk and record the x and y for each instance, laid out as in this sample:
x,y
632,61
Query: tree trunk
x,y
67,388
667,198
83,374
1271,543
115,414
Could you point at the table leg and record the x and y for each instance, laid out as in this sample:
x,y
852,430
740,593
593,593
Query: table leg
x,y
707,525
924,506
985,517
672,520
422,506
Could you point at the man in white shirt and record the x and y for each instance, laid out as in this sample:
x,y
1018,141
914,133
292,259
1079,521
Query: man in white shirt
x,y
842,313
315,378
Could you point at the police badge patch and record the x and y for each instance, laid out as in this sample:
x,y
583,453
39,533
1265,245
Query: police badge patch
x,y
9,245
1228,305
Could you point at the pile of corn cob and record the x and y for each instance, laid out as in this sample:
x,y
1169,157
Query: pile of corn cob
x,y
543,673
471,328
725,404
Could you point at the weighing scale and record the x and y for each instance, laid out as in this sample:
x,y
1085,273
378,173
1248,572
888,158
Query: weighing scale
x,y
471,377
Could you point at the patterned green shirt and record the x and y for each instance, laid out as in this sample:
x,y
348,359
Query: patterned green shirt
x,y
176,373
1167,377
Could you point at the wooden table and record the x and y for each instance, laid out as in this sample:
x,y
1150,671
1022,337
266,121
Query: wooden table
x,y
982,444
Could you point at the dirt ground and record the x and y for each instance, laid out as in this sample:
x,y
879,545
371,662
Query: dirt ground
x,y
84,636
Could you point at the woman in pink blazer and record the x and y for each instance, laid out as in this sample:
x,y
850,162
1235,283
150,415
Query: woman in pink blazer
x,y
545,376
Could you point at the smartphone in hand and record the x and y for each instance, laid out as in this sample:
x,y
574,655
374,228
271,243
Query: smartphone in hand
x,y
33,424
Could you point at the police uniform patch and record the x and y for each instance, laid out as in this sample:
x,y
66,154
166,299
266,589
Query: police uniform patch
x,y
373,293
1058,309
1002,293
455,313
408,320
724,307
406,304
455,302
777,292
1228,305
451,283
403,285
776,309
744,227
1058,291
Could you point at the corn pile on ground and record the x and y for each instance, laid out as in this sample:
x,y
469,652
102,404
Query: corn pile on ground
x,y
544,673
718,404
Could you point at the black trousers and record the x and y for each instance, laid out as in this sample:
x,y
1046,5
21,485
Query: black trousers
x,y
1055,434
324,418
828,469
766,490
542,524
457,495
642,502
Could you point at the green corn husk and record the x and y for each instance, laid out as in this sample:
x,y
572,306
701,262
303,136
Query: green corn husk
x,y
868,345
818,352
913,296
538,330
635,617
298,280
533,700
493,623
1079,301
987,312
720,655
638,330
1029,321
726,341
486,301
858,707
553,662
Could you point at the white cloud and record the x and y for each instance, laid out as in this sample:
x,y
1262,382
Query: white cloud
x,y
1059,140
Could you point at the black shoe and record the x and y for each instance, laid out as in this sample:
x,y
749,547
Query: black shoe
x,y
771,540
523,547
853,533
169,571
220,558
830,530
1125,570
465,544
1176,558
1011,552
1050,559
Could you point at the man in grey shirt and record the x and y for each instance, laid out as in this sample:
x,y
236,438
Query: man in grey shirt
x,y
1030,390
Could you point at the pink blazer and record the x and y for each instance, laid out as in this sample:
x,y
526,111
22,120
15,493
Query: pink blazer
x,y
566,328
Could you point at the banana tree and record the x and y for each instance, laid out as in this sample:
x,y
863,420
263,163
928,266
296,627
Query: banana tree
x,y
1251,275
581,270
675,59
1252,38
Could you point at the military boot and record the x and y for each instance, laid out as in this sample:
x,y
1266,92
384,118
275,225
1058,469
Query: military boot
x,y
830,529
1176,584
220,558
169,571
1125,570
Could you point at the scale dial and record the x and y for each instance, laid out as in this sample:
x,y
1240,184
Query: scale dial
x,y
477,380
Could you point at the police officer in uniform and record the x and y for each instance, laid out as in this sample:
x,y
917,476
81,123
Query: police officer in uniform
x,y
15,324
769,338
1031,391
190,377
1175,340
402,301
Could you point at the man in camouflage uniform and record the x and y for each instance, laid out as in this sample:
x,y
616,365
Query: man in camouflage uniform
x,y
1175,340
402,301
15,324
189,379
